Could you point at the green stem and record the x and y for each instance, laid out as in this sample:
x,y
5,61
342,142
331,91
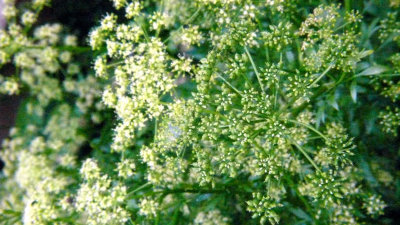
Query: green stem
x,y
276,92
309,127
322,75
146,36
306,155
214,112
267,53
116,63
342,26
254,68
305,202
299,52
139,188
300,108
75,49
195,14
191,190
230,85
347,5
155,128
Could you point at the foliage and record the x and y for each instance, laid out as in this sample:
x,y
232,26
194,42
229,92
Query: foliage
x,y
204,112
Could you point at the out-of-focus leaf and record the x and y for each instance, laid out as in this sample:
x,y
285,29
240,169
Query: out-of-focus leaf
x,y
373,70
301,214
353,91
365,53
320,115
367,172
332,101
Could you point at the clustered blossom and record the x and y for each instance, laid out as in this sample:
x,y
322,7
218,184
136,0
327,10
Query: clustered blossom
x,y
325,45
39,151
263,206
240,125
390,117
140,75
196,112
390,28
374,205
213,217
390,120
36,57
278,36
98,199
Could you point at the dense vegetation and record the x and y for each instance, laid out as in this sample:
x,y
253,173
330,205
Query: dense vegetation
x,y
202,112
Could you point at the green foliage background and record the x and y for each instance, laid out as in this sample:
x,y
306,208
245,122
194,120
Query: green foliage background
x,y
235,129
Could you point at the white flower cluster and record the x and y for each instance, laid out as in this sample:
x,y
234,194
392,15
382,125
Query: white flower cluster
x,y
35,57
98,199
324,46
138,68
224,109
39,183
374,205
213,217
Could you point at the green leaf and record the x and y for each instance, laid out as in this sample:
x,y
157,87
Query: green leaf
x,y
332,101
321,114
301,214
353,91
373,70
365,53
367,171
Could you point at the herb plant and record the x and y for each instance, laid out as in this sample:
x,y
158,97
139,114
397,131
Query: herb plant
x,y
204,112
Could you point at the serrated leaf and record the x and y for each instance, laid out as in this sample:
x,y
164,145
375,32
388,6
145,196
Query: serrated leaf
x,y
373,70
353,91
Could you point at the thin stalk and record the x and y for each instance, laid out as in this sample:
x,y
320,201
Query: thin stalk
x,y
155,128
347,5
342,26
305,202
230,85
322,75
306,155
276,92
299,53
139,188
247,79
313,138
76,49
116,63
191,190
267,54
309,127
254,68
215,113
195,14
146,36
